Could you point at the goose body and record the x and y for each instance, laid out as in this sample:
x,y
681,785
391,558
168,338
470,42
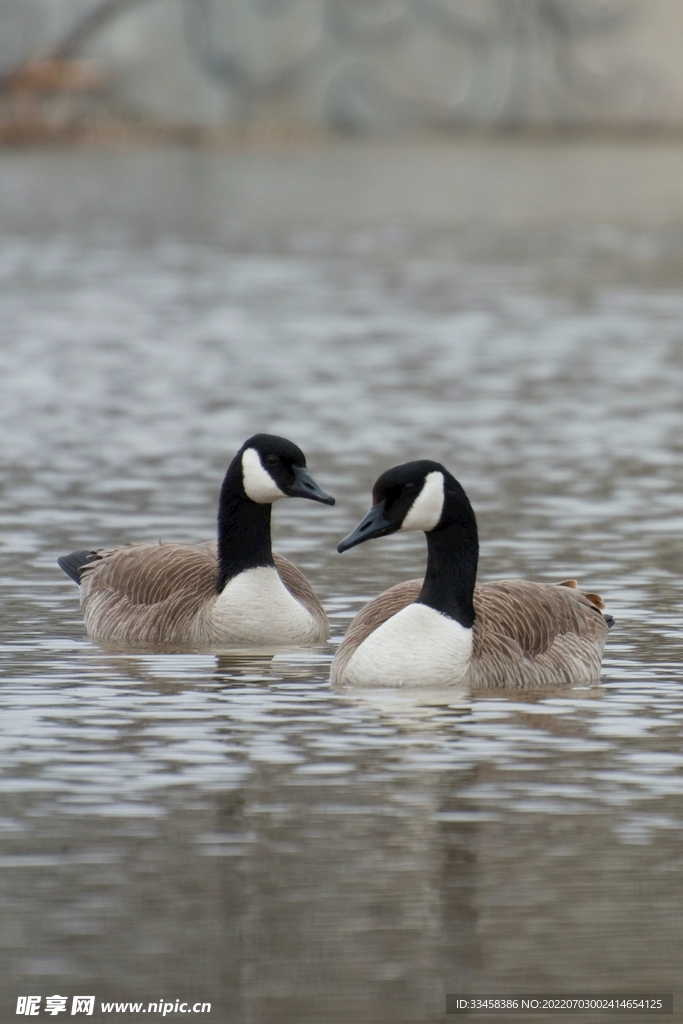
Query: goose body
x,y
447,630
233,592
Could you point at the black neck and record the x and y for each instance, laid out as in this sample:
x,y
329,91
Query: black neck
x,y
243,529
452,556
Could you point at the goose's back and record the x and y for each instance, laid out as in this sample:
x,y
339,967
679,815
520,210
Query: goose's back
x,y
165,594
525,634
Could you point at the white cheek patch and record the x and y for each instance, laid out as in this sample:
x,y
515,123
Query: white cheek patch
x,y
425,512
258,483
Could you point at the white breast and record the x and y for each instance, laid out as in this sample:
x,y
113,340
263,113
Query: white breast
x,y
416,647
256,608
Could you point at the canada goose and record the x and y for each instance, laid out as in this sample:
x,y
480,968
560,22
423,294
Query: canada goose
x,y
208,595
443,630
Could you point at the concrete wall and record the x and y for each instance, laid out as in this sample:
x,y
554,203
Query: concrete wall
x,y
377,65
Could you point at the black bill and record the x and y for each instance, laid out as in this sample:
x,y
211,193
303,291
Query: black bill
x,y
304,486
375,524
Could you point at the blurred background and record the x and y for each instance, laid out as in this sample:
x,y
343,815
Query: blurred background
x,y
371,67
388,229
448,113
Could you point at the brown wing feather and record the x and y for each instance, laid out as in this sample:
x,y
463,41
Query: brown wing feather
x,y
147,592
525,634
532,634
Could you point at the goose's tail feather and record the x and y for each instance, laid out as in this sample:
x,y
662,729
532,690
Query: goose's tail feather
x,y
73,563
594,599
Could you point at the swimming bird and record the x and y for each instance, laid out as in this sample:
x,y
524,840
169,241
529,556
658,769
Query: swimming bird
x,y
446,629
235,592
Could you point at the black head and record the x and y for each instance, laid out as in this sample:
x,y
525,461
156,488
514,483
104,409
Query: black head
x,y
408,497
272,467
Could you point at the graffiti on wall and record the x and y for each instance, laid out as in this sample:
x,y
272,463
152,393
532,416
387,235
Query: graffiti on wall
x,y
360,65
364,64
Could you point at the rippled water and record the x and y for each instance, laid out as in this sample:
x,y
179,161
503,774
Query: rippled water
x,y
229,830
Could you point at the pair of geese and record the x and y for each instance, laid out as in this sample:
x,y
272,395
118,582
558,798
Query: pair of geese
x,y
442,630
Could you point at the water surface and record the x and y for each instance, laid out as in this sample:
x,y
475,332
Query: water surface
x,y
228,829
